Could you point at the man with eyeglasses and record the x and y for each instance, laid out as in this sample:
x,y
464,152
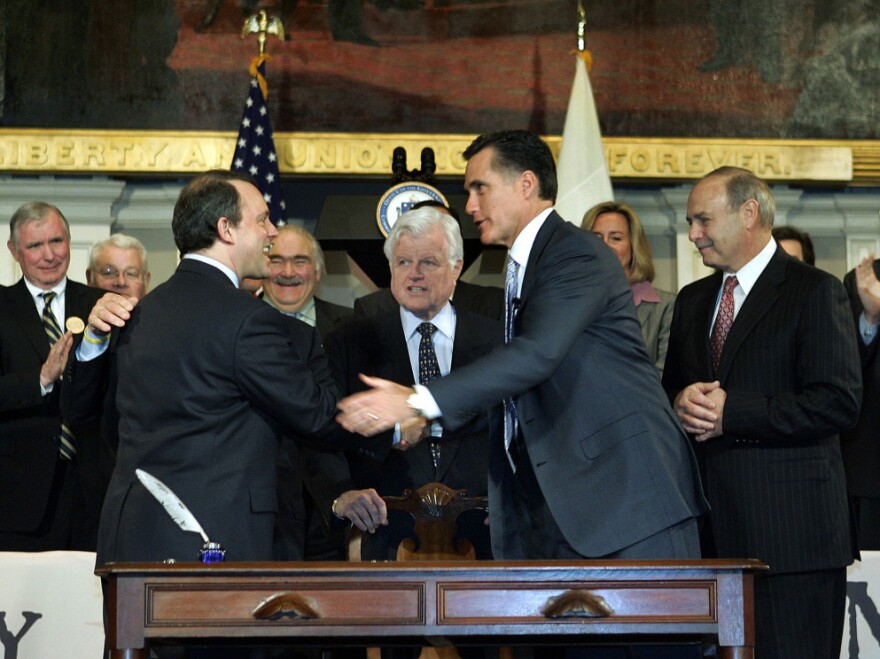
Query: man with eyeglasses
x,y
119,264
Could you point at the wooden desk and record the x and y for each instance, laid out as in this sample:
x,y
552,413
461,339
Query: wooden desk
x,y
438,602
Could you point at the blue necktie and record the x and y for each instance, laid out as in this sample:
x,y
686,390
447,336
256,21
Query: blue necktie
x,y
511,422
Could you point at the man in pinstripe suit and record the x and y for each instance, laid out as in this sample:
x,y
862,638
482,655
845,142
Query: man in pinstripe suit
x,y
766,418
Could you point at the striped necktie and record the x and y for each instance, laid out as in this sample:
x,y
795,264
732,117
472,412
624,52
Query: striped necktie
x,y
66,446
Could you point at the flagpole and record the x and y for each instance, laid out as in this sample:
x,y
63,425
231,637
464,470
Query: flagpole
x,y
582,172
255,148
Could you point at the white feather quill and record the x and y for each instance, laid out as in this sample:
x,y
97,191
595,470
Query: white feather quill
x,y
171,503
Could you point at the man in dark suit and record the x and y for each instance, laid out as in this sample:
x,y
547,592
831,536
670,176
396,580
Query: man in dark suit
x,y
425,252
296,263
208,379
594,463
861,445
484,300
42,504
763,369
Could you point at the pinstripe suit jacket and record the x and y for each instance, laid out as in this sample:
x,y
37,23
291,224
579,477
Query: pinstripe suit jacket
x,y
790,368
861,445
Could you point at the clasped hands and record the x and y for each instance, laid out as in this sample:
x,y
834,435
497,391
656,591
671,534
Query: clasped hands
x,y
379,409
700,408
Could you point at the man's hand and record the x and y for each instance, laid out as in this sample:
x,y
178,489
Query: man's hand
x,y
696,409
363,508
56,361
868,287
370,412
719,397
112,310
412,431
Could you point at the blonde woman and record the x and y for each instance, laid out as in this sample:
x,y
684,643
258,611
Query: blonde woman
x,y
619,226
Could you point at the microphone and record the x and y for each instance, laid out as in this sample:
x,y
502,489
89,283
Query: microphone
x,y
428,164
398,163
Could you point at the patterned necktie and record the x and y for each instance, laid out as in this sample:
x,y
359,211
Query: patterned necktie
x,y
50,323
723,321
511,421
53,331
429,369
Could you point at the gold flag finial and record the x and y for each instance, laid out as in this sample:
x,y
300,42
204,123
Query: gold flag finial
x,y
582,27
261,24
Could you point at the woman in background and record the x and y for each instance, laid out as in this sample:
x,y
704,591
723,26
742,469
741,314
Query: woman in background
x,y
619,226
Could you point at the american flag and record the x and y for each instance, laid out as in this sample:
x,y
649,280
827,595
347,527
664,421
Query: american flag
x,y
255,149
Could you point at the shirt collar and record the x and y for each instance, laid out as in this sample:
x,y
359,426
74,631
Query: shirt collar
x,y
643,291
225,269
522,246
36,292
747,275
444,321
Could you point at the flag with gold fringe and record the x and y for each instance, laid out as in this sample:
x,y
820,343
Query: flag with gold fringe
x,y
255,150
581,169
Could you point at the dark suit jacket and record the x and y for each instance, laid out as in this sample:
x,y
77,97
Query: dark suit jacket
x,y
208,380
377,346
29,423
329,316
484,300
790,369
861,445
609,455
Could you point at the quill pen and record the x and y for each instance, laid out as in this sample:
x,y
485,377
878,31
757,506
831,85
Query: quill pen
x,y
171,503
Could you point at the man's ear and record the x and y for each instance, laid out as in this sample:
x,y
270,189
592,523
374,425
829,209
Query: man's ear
x,y
224,229
529,185
750,213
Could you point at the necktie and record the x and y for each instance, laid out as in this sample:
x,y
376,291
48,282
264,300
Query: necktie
x,y
723,321
53,331
511,422
429,369
50,323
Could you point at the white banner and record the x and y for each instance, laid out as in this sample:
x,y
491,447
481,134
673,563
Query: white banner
x,y
50,606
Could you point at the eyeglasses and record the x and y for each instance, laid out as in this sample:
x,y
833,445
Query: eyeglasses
x,y
112,273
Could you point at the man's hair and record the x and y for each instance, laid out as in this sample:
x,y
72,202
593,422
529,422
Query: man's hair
x,y
433,203
517,151
742,185
202,202
420,222
121,241
791,233
317,252
641,267
33,210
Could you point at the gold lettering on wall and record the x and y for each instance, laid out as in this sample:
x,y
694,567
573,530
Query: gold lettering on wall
x,y
334,154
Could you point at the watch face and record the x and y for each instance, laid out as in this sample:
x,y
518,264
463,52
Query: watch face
x,y
400,198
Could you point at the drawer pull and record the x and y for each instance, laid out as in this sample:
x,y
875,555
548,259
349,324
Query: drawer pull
x,y
285,605
577,604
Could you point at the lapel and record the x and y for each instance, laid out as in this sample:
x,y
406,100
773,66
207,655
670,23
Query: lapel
x,y
24,313
551,225
703,309
760,300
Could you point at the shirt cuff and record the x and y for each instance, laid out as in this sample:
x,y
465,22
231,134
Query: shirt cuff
x,y
423,402
867,330
91,347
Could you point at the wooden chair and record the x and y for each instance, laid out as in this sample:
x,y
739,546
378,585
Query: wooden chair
x,y
435,508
